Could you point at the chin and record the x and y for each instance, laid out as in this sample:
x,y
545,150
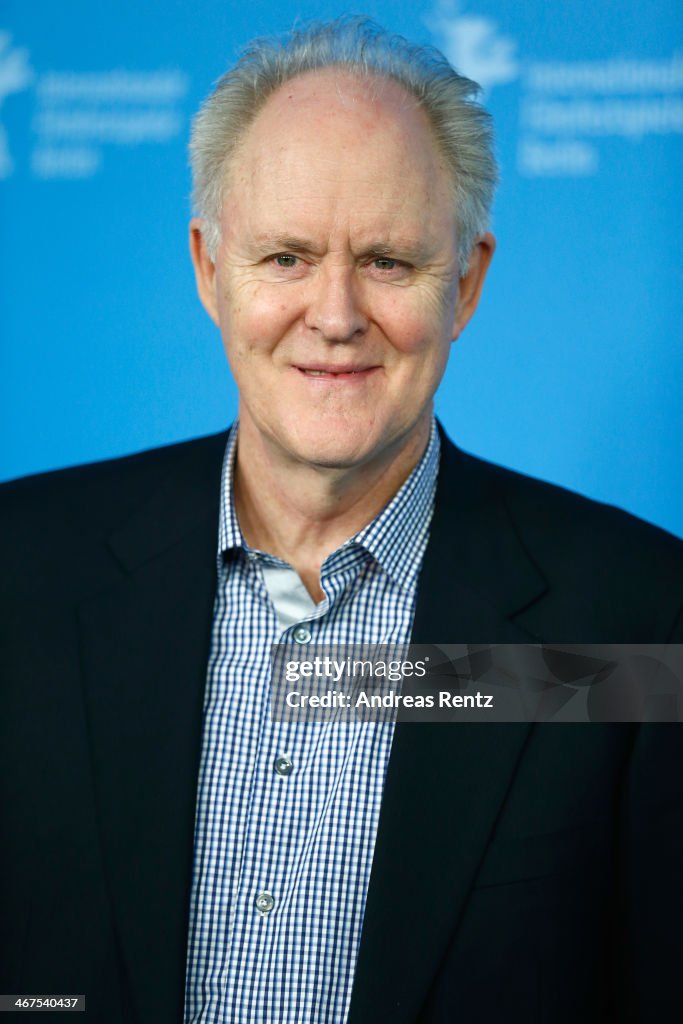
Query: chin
x,y
334,452
331,457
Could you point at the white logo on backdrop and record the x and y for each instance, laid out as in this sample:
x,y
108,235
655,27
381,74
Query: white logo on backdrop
x,y
565,106
475,47
15,74
79,115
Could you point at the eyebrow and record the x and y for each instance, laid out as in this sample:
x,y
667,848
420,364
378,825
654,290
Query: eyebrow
x,y
407,248
285,243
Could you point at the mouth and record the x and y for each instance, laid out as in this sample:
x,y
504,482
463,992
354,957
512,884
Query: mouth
x,y
337,373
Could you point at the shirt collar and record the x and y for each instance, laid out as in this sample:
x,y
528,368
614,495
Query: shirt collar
x,y
229,532
396,538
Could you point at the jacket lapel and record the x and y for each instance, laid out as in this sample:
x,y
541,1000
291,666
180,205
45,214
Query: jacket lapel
x,y
145,647
445,783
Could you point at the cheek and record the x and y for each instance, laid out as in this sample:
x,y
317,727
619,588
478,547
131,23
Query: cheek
x,y
417,321
418,334
262,321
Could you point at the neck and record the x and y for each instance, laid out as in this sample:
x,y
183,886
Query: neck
x,y
300,512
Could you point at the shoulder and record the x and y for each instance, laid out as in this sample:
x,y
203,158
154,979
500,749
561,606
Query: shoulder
x,y
112,484
608,560
54,519
546,510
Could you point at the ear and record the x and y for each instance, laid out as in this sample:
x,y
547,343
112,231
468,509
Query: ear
x,y
471,284
204,269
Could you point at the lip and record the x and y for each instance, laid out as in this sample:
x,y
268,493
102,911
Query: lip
x,y
326,373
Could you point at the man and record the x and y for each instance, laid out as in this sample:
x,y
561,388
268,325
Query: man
x,y
173,853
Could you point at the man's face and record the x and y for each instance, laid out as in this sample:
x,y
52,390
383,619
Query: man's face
x,y
336,283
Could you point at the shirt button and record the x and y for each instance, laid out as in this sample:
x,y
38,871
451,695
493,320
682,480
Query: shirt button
x,y
283,765
302,634
264,902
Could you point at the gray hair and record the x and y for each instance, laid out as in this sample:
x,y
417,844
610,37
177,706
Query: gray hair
x,y
462,128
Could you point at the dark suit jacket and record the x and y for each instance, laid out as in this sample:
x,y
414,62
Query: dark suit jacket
x,y
521,873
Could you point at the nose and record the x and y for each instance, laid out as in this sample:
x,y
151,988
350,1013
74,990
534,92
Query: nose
x,y
335,308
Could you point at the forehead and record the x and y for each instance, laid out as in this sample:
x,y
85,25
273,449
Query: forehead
x,y
370,100
336,145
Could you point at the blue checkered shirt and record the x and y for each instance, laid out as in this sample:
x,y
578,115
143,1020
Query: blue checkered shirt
x,y
287,812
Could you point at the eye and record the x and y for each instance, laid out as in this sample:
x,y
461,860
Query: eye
x,y
285,260
389,270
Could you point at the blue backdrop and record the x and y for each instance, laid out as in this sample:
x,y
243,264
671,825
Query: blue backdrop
x,y
572,367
